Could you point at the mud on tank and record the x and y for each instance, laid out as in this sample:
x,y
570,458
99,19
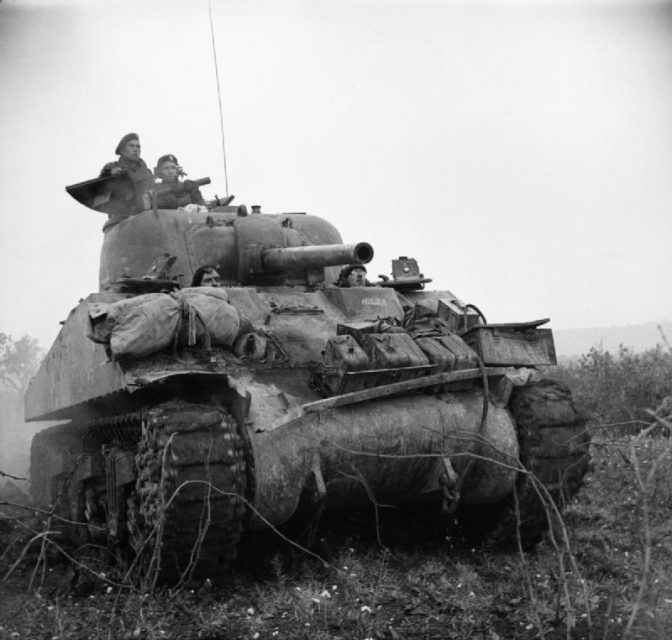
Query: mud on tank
x,y
196,415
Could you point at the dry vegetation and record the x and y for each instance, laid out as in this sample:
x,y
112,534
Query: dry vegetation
x,y
606,574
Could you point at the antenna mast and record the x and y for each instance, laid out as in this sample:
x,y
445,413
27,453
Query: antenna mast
x,y
219,99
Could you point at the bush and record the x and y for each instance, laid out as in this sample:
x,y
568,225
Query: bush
x,y
619,388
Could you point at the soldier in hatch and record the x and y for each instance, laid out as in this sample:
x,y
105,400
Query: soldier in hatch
x,y
180,193
134,179
206,276
354,275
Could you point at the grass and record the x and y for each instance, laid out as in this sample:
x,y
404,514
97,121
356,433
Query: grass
x,y
415,585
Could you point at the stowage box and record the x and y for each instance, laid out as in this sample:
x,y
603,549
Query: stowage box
x,y
512,345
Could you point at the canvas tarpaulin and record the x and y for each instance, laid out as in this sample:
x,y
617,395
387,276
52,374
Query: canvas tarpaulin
x,y
141,325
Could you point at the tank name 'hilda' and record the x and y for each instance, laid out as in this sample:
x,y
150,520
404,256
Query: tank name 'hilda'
x,y
374,302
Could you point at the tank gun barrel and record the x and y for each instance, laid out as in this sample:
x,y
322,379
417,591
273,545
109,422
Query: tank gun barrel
x,y
296,258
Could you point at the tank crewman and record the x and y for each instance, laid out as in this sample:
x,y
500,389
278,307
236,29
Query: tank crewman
x,y
129,192
181,193
206,276
354,275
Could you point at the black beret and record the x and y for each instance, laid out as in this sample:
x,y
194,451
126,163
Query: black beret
x,y
169,157
127,138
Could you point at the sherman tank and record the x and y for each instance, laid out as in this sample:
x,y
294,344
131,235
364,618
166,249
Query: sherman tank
x,y
194,415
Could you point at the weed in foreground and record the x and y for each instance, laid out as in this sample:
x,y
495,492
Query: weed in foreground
x,y
619,584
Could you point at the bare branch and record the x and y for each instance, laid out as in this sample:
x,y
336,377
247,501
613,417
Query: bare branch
x,y
9,475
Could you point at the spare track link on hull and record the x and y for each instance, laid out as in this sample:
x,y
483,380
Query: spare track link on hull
x,y
554,450
190,490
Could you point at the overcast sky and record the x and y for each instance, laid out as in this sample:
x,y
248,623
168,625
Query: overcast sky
x,y
521,151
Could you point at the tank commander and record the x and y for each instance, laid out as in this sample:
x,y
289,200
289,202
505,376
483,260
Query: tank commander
x,y
206,276
180,193
129,192
354,275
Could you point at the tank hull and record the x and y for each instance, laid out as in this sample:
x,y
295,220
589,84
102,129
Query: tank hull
x,y
322,397
389,451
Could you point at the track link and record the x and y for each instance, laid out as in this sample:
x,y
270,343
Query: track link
x,y
190,488
554,445
554,449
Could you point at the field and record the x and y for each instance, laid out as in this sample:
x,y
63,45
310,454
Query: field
x,y
605,572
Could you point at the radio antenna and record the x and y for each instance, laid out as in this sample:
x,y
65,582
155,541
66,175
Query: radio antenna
x,y
219,98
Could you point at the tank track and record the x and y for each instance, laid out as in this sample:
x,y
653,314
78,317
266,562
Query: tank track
x,y
197,530
55,456
186,452
44,464
554,449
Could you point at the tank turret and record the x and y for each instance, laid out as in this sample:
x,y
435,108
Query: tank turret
x,y
198,414
290,248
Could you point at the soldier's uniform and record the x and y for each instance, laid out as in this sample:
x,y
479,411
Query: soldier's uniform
x,y
180,193
140,177
128,189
